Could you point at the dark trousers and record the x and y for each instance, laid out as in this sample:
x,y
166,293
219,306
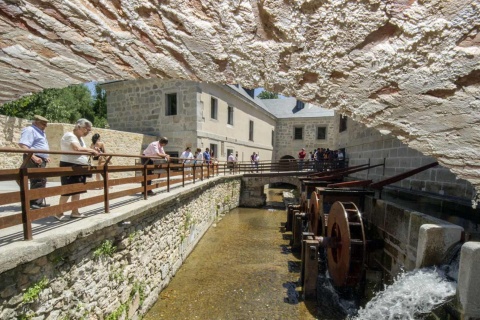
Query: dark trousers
x,y
38,182
147,161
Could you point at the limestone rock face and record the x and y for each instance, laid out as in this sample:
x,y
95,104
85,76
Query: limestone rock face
x,y
407,67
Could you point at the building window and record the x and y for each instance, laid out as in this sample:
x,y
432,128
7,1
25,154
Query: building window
x,y
343,123
250,131
298,133
230,115
273,137
213,108
229,152
321,133
171,102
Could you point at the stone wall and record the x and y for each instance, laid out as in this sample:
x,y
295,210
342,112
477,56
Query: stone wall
x,y
87,279
364,144
285,144
400,229
115,142
253,194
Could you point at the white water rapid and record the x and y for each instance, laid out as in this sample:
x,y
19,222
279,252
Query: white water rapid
x,y
412,295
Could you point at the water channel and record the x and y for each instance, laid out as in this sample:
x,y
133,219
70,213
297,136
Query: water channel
x,y
241,269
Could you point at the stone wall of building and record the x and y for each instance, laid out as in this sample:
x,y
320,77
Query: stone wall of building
x,y
118,142
120,269
364,144
234,136
140,106
285,144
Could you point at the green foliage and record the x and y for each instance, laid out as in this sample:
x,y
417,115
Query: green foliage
x,y
267,95
115,315
65,105
106,249
132,236
117,274
140,288
26,316
34,291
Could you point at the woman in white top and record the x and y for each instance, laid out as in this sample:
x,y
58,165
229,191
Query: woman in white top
x,y
73,141
186,157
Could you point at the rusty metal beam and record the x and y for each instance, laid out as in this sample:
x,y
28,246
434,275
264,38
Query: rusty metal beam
x,y
382,183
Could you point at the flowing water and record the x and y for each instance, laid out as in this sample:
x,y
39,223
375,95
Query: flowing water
x,y
241,269
413,295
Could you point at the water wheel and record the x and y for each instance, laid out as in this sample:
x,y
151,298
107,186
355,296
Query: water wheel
x,y
346,254
303,203
316,218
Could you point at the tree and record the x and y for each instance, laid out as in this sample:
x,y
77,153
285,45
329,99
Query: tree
x,y
267,95
65,105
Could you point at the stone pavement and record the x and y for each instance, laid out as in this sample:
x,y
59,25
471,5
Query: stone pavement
x,y
50,234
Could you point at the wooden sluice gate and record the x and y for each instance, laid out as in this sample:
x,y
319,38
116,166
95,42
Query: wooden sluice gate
x,y
328,228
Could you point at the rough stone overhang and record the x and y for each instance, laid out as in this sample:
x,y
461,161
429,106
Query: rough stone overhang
x,y
406,67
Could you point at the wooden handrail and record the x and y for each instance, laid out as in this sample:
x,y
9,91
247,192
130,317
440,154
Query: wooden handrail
x,y
174,175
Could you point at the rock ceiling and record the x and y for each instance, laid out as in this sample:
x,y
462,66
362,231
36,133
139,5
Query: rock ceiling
x,y
406,67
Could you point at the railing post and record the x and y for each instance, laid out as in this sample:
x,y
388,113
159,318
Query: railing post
x,y
105,186
145,172
168,176
27,225
194,172
183,174
201,175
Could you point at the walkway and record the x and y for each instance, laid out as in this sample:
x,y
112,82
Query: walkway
x,y
49,234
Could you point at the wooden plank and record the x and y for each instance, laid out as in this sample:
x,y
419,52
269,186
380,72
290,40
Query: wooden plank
x,y
10,197
9,174
10,220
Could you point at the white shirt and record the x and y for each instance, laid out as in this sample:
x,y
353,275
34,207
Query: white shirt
x,y
186,155
231,158
199,158
66,143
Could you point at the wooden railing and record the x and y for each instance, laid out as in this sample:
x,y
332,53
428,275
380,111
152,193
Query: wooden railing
x,y
172,173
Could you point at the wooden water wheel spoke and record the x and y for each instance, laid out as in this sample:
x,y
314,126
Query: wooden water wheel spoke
x,y
316,218
346,259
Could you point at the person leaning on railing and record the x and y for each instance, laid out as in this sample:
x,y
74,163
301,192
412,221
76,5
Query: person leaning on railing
x,y
73,141
33,137
154,149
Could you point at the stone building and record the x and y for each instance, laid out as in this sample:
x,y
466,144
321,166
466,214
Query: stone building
x,y
224,118
301,125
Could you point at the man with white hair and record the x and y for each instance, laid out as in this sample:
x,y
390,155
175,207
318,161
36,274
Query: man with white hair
x,y
73,141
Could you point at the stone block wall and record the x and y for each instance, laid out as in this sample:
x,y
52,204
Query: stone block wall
x,y
87,279
115,142
285,144
139,106
364,144
399,228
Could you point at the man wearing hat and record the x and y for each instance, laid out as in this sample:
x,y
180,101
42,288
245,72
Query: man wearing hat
x,y
33,137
